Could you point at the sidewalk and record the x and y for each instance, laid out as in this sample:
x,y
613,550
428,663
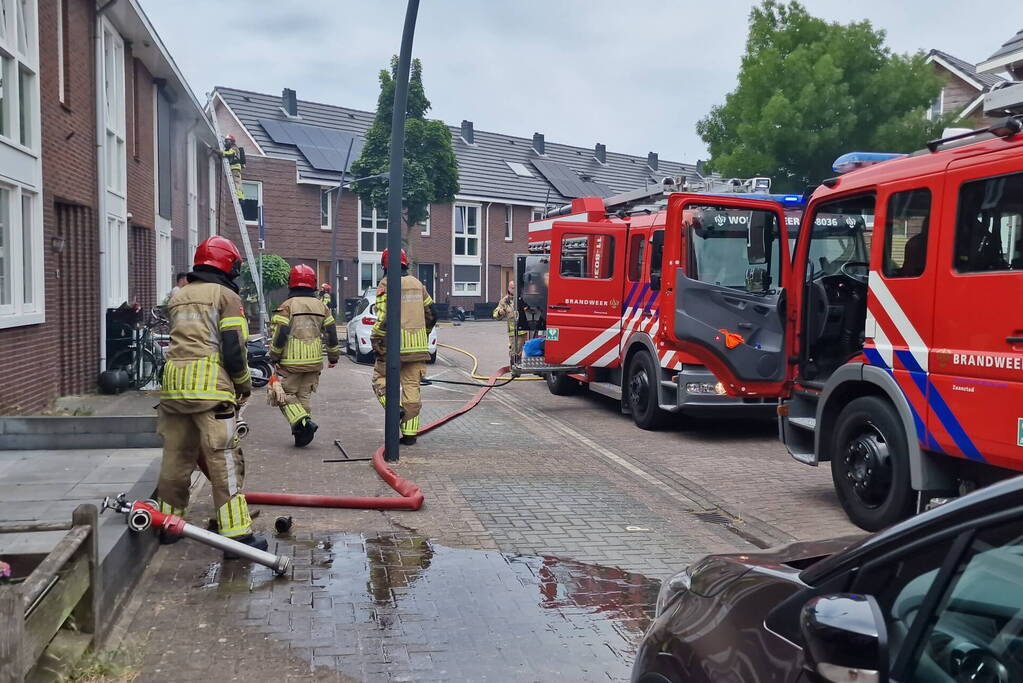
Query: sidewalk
x,y
530,560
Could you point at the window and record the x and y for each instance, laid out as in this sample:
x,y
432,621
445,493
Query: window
x,y
113,79
252,204
62,52
18,69
537,215
905,233
841,235
989,226
372,228
116,270
370,274
519,169
424,226
467,231
326,210
735,248
937,107
21,257
637,245
656,258
587,256
466,280
6,91
509,214
25,91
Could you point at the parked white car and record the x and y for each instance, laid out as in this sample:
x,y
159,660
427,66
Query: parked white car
x,y
357,340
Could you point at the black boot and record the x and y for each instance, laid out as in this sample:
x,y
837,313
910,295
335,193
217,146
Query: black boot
x,y
168,539
304,432
408,440
257,542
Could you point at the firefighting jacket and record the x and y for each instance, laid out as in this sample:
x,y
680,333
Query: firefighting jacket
x,y
234,157
508,311
417,319
296,333
206,361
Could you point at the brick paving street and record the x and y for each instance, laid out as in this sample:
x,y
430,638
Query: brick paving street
x,y
548,522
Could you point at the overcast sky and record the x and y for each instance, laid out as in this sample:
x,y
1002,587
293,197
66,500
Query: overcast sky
x,y
634,74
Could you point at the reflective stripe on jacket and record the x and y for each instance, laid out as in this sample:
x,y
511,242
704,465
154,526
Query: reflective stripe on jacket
x,y
296,334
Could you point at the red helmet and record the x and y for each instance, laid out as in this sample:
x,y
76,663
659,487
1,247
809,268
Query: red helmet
x,y
325,287
302,276
229,138
404,259
220,253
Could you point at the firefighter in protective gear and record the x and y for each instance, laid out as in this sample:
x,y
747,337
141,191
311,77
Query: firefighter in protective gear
x,y
205,380
325,296
417,320
508,310
296,347
236,159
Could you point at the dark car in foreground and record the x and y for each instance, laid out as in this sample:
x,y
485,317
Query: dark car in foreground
x,y
938,597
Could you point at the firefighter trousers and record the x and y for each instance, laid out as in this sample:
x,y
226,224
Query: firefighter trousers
x,y
299,388
411,403
205,439
236,173
515,343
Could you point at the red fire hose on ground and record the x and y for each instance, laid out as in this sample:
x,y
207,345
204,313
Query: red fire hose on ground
x,y
411,496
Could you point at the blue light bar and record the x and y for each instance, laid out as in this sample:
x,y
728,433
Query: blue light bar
x,y
853,160
786,199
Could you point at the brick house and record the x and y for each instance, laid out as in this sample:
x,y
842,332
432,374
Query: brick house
x,y
964,89
464,252
103,162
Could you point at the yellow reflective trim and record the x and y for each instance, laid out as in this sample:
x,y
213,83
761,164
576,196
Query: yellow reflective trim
x,y
232,321
410,427
428,300
280,319
199,395
233,518
329,320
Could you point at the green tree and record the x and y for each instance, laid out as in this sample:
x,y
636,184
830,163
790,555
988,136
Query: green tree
x,y
431,172
275,272
809,91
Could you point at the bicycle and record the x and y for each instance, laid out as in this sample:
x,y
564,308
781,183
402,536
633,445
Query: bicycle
x,y
143,359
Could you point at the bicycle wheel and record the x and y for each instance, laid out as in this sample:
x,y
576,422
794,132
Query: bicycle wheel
x,y
140,365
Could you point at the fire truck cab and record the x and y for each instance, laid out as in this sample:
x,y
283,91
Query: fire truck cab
x,y
616,287
902,354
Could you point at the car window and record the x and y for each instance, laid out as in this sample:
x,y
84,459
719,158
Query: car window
x,y
977,631
361,307
989,227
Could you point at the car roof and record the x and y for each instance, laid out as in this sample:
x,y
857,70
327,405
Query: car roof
x,y
1001,497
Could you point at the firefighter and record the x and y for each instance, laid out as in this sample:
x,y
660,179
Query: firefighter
x,y
508,309
417,320
296,347
205,381
325,296
236,159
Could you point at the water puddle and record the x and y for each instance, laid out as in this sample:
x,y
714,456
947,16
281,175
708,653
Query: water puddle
x,y
399,605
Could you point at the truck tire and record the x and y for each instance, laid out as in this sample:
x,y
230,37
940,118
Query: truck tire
x,y
560,384
642,392
870,464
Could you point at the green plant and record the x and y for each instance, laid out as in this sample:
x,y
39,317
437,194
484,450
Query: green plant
x,y
120,665
809,91
275,271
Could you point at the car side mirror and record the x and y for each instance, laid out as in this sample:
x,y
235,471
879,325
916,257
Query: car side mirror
x,y
845,638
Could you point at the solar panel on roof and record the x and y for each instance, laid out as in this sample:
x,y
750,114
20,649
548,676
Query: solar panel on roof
x,y
323,148
565,180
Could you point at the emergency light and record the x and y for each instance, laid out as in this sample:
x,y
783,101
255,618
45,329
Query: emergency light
x,y
854,160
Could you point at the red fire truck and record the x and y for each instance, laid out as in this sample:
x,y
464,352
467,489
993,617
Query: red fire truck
x,y
896,339
599,285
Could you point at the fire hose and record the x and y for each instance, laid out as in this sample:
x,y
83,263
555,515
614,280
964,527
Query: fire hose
x,y
143,515
410,495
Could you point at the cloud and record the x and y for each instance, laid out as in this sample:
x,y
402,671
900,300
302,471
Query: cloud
x,y
636,75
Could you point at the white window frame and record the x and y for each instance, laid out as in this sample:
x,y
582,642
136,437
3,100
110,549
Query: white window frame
x,y
211,176
326,195
61,66
19,71
458,287
377,268
192,183
259,198
377,230
114,110
509,223
19,312
536,214
424,226
116,270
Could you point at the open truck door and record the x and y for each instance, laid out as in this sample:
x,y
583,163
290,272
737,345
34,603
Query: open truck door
x,y
584,299
728,287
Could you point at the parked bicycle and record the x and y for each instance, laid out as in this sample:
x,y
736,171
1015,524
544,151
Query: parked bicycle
x,y
143,358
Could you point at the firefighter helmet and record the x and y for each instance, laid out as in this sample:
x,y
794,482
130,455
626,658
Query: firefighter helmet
x,y
404,259
229,138
302,276
220,253
326,287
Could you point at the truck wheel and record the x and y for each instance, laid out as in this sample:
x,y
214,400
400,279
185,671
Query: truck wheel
x,y
560,384
870,464
642,391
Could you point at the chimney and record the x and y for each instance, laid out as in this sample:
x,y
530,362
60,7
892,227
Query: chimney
x,y
600,153
538,145
467,133
701,169
651,160
289,102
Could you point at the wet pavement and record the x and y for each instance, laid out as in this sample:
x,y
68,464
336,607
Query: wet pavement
x,y
398,607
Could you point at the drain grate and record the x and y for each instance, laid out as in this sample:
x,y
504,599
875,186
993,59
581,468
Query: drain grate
x,y
712,517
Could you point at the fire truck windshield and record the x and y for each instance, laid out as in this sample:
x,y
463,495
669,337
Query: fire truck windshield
x,y
737,248
840,241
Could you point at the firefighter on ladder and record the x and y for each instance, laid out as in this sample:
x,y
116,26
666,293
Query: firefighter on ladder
x,y
235,159
205,381
507,309
296,347
417,320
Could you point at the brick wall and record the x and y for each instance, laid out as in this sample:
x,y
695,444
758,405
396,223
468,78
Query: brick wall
x,y
141,155
35,358
142,265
